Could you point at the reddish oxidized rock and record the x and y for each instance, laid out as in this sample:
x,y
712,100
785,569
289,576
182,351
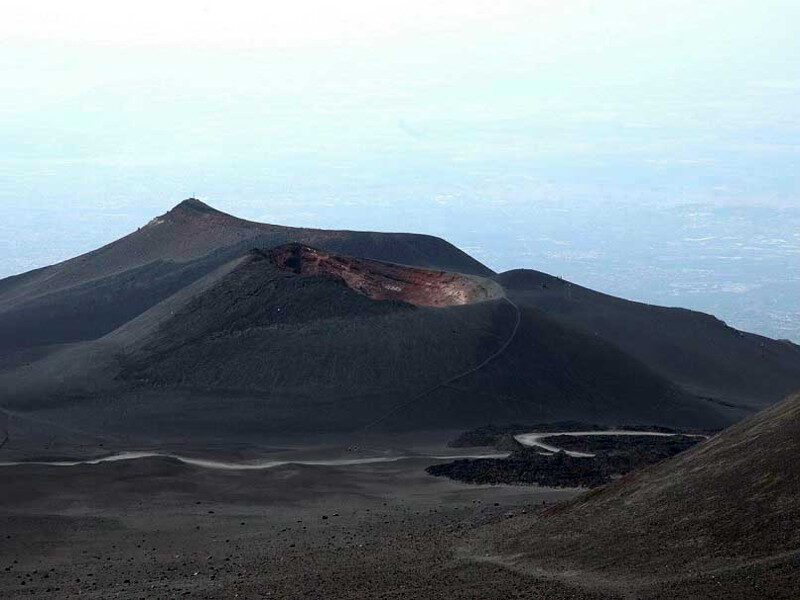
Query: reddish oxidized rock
x,y
386,281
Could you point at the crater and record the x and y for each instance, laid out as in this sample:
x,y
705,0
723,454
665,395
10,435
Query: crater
x,y
386,281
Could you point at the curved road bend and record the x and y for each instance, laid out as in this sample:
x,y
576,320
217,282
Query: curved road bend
x,y
535,439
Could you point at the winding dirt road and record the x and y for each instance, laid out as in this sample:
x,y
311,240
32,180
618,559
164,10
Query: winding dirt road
x,y
535,439
245,466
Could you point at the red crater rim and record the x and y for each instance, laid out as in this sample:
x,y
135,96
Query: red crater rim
x,y
386,281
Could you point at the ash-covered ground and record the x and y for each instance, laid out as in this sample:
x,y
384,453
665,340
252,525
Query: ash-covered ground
x,y
157,528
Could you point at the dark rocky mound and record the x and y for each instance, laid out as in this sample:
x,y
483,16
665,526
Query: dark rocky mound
x,y
527,467
614,456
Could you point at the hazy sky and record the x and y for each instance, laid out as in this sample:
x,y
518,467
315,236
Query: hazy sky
x,y
646,148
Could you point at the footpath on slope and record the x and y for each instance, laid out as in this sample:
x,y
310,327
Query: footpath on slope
x,y
441,384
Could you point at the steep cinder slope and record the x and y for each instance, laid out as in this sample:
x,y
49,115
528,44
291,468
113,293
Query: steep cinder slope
x,y
695,350
550,372
263,349
88,296
721,520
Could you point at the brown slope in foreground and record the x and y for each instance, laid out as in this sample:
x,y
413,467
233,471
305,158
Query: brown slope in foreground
x,y
719,521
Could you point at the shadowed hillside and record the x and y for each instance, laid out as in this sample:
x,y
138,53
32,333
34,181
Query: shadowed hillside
x,y
695,350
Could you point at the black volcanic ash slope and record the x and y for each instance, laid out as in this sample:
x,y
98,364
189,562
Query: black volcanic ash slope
x,y
695,350
261,349
721,520
302,340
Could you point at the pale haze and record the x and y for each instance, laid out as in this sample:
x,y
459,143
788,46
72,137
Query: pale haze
x,y
646,149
